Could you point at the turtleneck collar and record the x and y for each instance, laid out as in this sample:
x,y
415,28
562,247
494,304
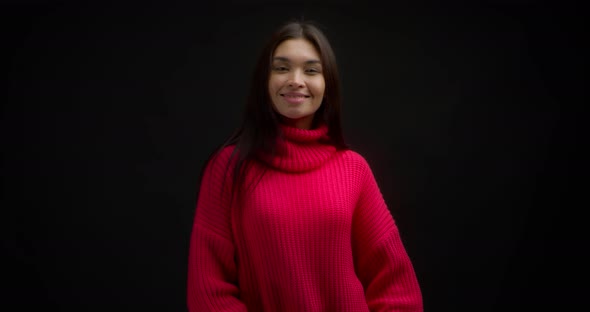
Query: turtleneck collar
x,y
300,149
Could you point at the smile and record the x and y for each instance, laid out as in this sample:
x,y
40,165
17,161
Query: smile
x,y
295,95
295,98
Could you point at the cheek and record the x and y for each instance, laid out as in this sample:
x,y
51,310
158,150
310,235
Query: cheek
x,y
274,85
319,89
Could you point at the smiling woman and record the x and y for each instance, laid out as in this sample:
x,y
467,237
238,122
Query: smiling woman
x,y
288,218
296,83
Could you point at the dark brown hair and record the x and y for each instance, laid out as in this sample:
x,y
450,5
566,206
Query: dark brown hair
x,y
259,128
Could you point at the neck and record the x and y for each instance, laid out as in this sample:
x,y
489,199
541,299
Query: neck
x,y
299,150
301,123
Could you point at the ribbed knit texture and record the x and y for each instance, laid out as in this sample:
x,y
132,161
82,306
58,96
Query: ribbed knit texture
x,y
314,235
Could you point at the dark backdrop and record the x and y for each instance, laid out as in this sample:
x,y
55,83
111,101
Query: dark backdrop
x,y
468,115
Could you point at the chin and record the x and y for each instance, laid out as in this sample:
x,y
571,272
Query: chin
x,y
296,117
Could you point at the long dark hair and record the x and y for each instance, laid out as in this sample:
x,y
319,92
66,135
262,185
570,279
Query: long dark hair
x,y
259,128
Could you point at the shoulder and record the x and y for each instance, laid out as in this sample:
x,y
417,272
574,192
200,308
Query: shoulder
x,y
221,158
227,151
356,164
355,158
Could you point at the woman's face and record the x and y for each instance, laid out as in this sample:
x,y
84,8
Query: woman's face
x,y
296,83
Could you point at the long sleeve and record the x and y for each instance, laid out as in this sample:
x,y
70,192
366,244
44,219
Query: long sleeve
x,y
212,271
381,261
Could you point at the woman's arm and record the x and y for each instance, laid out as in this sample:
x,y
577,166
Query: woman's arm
x,y
381,261
212,271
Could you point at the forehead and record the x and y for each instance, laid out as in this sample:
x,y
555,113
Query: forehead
x,y
296,50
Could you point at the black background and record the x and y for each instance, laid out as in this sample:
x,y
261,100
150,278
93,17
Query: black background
x,y
469,114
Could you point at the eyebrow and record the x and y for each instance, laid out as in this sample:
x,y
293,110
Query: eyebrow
x,y
284,59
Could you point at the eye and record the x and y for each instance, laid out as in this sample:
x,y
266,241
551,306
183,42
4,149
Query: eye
x,y
280,68
312,71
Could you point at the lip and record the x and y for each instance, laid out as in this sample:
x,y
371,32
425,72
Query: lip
x,y
294,97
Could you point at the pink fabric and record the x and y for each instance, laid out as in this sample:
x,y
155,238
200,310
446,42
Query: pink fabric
x,y
314,235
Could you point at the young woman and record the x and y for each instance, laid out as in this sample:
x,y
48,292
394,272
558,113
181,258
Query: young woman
x,y
288,218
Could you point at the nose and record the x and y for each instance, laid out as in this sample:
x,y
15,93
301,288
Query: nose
x,y
296,80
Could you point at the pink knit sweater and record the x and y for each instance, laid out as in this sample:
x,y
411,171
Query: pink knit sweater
x,y
314,235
